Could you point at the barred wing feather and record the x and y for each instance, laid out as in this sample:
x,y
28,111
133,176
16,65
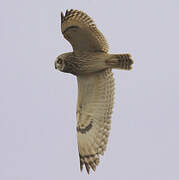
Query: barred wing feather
x,y
80,30
94,109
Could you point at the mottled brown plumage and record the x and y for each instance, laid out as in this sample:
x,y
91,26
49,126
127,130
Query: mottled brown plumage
x,y
92,64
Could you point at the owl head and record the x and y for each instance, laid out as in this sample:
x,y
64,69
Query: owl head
x,y
61,62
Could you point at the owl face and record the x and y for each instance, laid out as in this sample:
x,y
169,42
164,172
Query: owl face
x,y
63,62
60,63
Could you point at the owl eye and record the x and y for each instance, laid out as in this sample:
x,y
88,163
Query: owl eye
x,y
60,61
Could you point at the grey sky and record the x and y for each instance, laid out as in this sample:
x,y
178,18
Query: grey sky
x,y
38,103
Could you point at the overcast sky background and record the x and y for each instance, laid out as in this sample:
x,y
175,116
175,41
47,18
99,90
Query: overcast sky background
x,y
38,103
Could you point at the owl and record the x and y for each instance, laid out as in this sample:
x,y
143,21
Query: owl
x,y
91,63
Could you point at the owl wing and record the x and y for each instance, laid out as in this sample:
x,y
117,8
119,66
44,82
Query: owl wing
x,y
80,30
94,109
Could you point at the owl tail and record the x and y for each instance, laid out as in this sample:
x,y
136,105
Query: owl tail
x,y
120,61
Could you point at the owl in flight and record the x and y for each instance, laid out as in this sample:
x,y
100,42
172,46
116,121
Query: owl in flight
x,y
91,63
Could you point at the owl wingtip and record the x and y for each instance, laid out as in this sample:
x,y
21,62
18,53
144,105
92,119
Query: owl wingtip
x,y
93,166
66,13
87,168
62,16
81,166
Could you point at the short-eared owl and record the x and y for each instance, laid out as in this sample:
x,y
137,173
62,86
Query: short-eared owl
x,y
92,65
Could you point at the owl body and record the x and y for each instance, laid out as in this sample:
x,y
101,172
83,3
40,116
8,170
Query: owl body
x,y
82,63
92,64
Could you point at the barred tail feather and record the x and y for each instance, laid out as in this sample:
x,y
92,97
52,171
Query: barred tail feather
x,y
120,61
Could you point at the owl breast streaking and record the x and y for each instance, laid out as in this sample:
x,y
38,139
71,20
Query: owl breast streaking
x,y
91,63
